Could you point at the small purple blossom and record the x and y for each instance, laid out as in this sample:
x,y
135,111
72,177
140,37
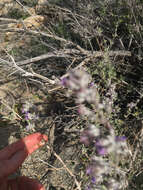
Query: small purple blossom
x,y
30,115
30,126
117,138
84,139
101,150
91,84
64,81
93,179
88,135
23,110
82,110
88,188
27,115
88,171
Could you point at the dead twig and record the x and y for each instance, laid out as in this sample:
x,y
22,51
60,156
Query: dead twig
x,y
28,74
18,2
43,78
55,54
68,170
54,168
9,20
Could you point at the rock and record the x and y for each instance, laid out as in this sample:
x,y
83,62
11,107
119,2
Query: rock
x,y
32,22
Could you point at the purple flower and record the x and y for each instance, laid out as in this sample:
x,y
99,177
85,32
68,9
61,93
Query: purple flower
x,y
27,115
64,81
23,110
117,138
89,171
84,139
93,180
101,150
91,84
28,127
88,188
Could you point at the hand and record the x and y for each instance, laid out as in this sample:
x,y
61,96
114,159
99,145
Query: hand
x,y
12,157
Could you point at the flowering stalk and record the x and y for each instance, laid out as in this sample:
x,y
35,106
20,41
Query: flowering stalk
x,y
103,172
30,115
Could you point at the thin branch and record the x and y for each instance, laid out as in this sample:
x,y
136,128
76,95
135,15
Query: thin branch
x,y
9,20
43,78
28,74
50,165
25,73
68,53
68,170
42,57
18,2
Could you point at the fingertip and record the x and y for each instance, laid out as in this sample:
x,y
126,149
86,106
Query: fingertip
x,y
45,137
34,141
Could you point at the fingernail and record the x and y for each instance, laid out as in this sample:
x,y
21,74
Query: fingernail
x,y
45,137
41,143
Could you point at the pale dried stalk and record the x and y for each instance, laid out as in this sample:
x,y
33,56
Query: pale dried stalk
x,y
68,170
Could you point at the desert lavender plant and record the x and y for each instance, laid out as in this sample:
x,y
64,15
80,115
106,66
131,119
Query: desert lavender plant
x,y
103,171
30,115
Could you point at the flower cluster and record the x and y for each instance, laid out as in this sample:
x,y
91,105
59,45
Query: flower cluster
x,y
99,133
30,115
